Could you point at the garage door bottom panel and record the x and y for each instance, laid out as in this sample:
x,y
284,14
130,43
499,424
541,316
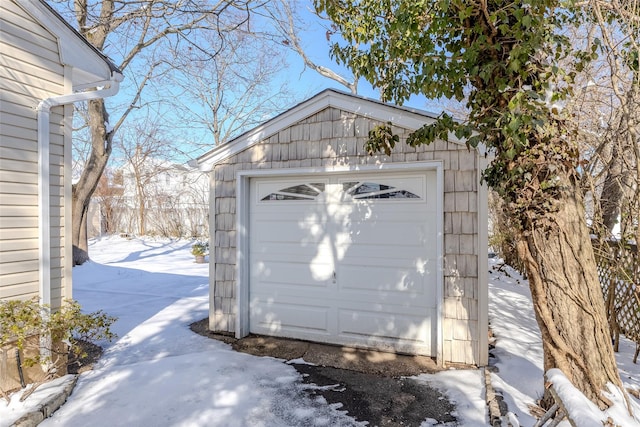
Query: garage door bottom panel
x,y
382,325
377,330
288,316
372,343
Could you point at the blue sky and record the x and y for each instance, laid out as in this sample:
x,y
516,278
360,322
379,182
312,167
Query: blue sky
x,y
303,82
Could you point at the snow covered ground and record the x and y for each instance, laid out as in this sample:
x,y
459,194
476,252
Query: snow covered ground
x,y
159,373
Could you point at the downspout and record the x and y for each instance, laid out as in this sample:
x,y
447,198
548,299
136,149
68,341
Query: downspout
x,y
111,87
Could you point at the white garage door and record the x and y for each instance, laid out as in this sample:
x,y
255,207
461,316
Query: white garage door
x,y
349,259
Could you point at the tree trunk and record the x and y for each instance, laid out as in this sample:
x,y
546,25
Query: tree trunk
x,y
142,230
79,236
618,179
567,297
86,185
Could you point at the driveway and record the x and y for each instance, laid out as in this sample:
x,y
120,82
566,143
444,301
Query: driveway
x,y
374,387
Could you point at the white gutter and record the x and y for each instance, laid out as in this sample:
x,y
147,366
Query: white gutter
x,y
110,88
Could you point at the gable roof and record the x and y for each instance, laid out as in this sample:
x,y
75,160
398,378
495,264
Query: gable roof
x,y
89,64
404,117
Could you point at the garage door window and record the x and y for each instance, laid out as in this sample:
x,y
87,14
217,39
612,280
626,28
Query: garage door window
x,y
297,192
358,190
372,190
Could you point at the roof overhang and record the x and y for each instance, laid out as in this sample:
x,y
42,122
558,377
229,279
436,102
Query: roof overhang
x,y
89,65
404,117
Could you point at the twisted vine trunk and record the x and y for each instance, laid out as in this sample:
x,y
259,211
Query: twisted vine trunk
x,y
567,297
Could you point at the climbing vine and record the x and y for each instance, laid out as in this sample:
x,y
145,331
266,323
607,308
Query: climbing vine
x,y
501,57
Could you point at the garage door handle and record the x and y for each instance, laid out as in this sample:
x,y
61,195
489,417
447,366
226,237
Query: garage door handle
x,y
334,276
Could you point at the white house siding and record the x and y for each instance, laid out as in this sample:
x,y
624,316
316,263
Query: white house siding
x,y
30,71
336,138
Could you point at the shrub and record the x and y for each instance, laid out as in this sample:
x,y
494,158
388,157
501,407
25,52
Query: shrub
x,y
47,338
199,248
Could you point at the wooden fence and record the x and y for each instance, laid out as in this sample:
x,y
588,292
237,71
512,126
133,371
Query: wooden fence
x,y
619,270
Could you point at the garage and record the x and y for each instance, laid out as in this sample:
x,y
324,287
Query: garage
x,y
312,238
346,259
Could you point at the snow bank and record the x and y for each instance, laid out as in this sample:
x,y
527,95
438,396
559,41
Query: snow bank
x,y
585,413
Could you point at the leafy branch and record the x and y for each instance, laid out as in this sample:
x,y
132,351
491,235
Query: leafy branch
x,y
48,338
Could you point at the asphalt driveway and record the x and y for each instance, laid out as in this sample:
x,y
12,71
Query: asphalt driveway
x,y
371,386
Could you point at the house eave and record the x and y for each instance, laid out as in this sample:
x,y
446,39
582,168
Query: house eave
x,y
88,63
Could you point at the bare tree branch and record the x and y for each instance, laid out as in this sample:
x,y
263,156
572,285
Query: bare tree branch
x,y
283,16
